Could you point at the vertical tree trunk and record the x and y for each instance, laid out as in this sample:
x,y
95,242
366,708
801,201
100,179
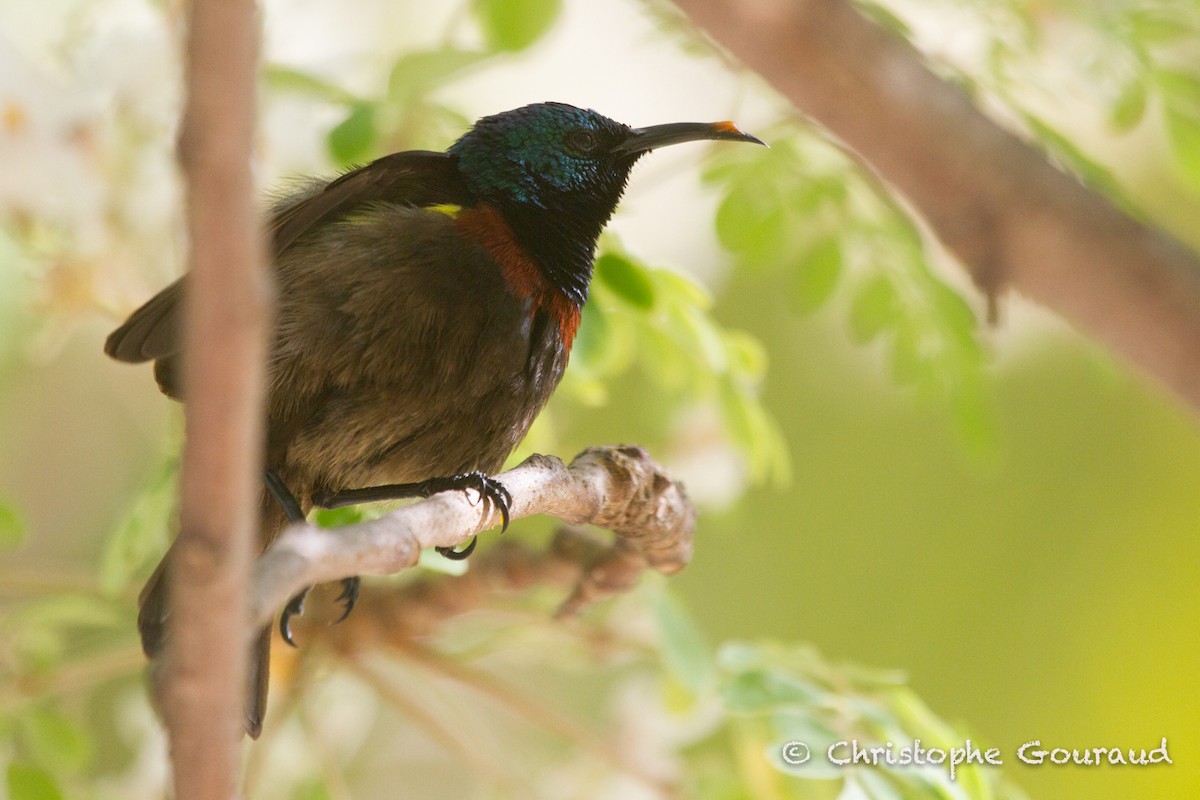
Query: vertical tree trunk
x,y
226,316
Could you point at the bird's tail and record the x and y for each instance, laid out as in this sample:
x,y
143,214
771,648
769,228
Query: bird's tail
x,y
153,612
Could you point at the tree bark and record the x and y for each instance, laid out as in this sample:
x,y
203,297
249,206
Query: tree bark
x,y
226,320
994,201
618,488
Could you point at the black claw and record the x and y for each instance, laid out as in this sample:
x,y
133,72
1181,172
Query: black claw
x,y
491,492
502,500
294,607
459,555
348,596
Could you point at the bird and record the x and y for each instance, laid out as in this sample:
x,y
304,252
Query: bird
x,y
426,307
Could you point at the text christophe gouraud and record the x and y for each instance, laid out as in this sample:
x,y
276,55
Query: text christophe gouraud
x,y
852,752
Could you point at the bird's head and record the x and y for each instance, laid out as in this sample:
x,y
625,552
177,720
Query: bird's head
x,y
556,172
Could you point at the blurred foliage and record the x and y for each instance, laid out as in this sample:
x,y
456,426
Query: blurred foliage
x,y
1135,59
12,529
718,716
73,718
814,223
658,321
511,25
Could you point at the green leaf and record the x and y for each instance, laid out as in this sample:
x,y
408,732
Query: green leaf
x,y
671,369
906,359
686,653
747,356
311,790
806,199
626,279
974,422
680,290
1183,131
30,783
340,517
807,724
738,656
752,224
351,140
738,416
37,649
884,18
12,527
415,74
287,79
588,350
71,611
817,276
1156,25
917,717
1087,168
1181,91
512,25
703,339
868,677
723,168
769,690
141,534
756,434
55,740
954,313
1130,107
875,307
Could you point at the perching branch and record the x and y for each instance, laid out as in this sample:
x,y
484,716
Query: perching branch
x,y
618,488
203,678
1009,216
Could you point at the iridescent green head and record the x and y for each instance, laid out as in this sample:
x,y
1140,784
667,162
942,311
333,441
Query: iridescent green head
x,y
556,173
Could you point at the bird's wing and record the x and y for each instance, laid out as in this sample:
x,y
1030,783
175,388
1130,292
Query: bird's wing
x,y
151,331
416,178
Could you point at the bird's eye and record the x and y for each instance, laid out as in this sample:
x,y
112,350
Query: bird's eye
x,y
583,142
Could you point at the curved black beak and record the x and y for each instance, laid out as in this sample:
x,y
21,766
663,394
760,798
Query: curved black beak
x,y
641,140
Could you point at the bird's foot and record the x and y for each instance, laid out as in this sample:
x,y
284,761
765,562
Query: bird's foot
x,y
458,555
294,607
491,493
348,596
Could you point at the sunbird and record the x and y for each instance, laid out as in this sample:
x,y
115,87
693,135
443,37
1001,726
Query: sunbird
x,y
426,307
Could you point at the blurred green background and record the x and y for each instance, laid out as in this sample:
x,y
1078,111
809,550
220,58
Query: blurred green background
x,y
1033,569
